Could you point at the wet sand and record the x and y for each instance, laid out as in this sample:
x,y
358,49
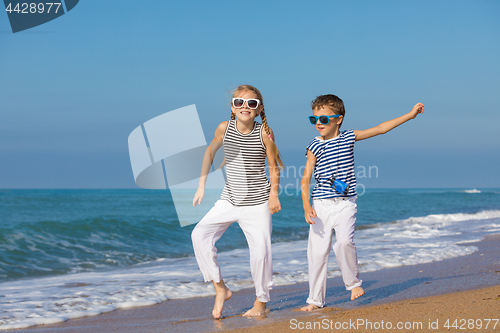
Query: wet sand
x,y
465,288
466,310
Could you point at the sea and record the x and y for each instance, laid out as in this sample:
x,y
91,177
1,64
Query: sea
x,y
74,253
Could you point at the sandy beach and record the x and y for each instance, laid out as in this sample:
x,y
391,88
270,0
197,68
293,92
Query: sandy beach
x,y
469,310
424,297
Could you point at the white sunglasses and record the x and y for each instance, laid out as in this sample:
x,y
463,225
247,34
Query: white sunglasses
x,y
252,103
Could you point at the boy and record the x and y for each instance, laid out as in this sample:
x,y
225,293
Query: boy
x,y
330,157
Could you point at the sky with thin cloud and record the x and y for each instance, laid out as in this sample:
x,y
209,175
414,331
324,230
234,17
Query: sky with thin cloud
x,y
73,89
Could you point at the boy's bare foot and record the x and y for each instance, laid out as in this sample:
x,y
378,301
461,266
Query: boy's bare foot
x,y
222,294
259,308
356,292
310,307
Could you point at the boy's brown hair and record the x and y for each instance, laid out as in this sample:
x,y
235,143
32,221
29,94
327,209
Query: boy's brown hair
x,y
331,101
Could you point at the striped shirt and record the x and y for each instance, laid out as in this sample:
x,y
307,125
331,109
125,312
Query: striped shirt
x,y
246,181
334,157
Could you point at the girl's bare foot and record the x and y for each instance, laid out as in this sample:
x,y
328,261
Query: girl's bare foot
x,y
356,292
222,294
310,307
259,308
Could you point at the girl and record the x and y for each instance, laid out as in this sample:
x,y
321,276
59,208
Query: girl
x,y
247,197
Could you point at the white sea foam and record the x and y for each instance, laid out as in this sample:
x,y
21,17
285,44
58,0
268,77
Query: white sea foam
x,y
474,190
29,302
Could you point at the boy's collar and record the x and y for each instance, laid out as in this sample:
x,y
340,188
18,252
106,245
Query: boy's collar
x,y
320,138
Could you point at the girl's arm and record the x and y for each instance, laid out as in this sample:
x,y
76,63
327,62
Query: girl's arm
x,y
389,125
305,183
208,159
274,173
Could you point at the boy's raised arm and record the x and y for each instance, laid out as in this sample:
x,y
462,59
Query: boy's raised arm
x,y
305,183
388,125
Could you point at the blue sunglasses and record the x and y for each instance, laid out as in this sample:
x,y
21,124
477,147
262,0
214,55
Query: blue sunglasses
x,y
322,119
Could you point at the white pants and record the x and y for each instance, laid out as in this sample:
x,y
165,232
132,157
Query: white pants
x,y
337,214
256,223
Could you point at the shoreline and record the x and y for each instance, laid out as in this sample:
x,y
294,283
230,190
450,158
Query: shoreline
x,y
448,277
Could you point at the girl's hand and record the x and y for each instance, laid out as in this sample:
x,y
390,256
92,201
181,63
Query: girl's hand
x,y
274,204
198,196
418,108
309,214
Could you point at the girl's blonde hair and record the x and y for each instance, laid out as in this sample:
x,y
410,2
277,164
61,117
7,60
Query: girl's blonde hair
x,y
274,148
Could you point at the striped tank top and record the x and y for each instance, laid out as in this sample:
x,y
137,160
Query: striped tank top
x,y
334,157
246,179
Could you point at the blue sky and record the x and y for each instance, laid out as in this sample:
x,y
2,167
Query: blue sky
x,y
73,89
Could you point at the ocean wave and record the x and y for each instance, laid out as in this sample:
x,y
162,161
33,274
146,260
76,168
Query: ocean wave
x,y
50,247
472,191
433,218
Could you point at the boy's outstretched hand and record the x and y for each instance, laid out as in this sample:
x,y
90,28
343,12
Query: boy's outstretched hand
x,y
309,214
418,108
